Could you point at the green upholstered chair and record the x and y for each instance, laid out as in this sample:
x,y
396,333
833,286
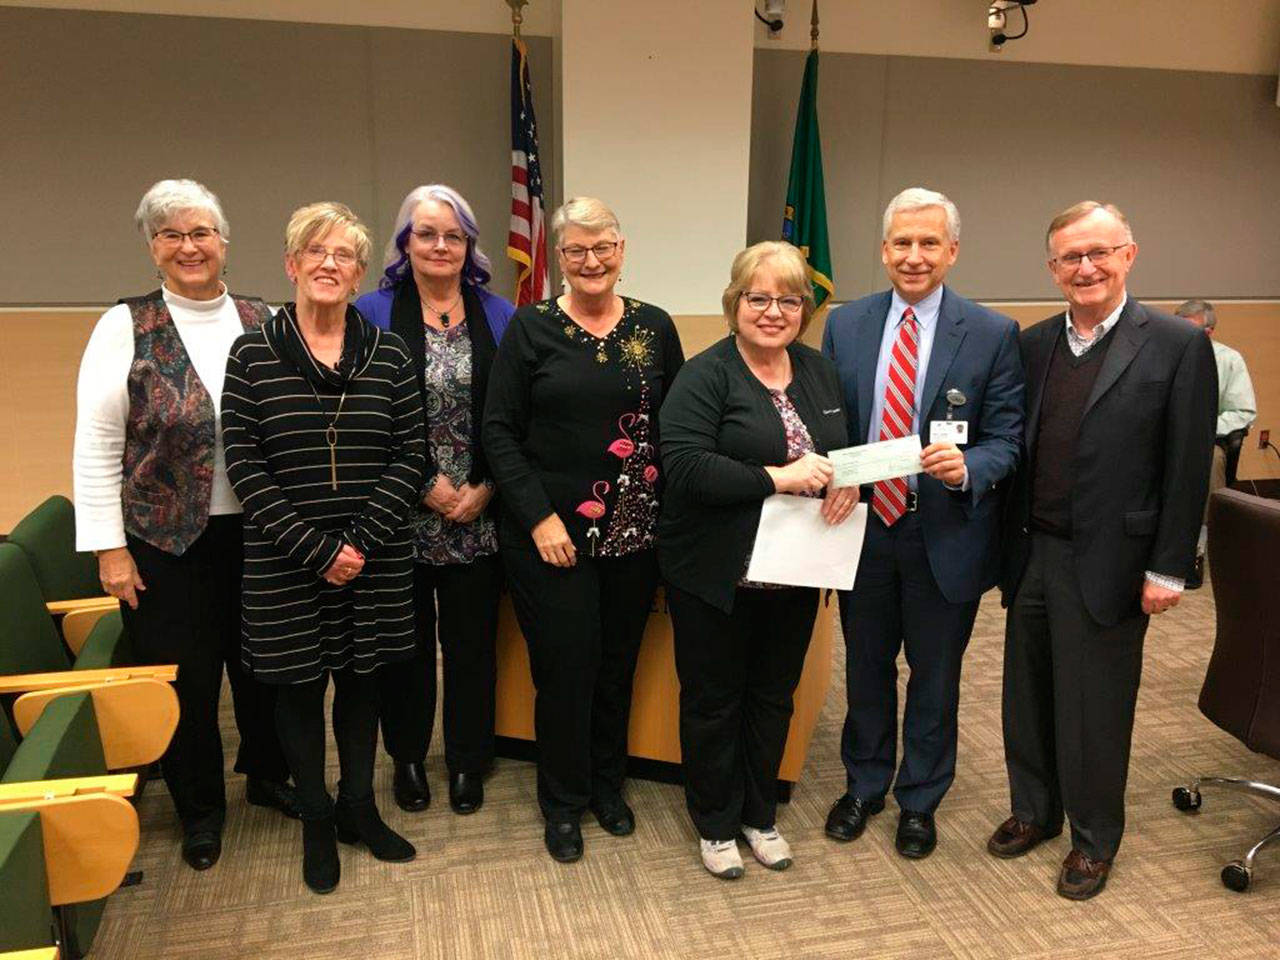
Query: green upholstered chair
x,y
47,535
29,640
26,922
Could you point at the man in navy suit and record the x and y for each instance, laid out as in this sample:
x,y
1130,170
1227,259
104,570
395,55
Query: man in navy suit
x,y
918,359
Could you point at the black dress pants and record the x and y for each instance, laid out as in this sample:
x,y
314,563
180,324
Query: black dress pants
x,y
461,599
1070,688
896,603
300,720
738,672
189,614
583,625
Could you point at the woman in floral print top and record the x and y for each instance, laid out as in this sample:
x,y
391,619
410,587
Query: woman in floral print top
x,y
570,433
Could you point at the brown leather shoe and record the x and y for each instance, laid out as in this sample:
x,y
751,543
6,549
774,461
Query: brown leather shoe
x,y
1015,837
1082,878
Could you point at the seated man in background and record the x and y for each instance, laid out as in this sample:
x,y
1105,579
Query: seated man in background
x,y
1237,409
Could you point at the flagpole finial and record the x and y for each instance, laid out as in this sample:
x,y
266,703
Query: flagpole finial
x,y
517,15
813,26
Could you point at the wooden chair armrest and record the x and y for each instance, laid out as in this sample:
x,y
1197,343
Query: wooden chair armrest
x,y
79,623
136,718
25,792
60,607
22,682
89,841
37,953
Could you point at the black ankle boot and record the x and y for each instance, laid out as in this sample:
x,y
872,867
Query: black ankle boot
x,y
320,866
362,824
412,791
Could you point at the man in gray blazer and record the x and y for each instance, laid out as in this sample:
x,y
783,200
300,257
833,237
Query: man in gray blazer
x,y
1100,536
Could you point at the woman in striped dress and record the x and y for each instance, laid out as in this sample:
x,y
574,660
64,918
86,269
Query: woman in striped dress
x,y
324,445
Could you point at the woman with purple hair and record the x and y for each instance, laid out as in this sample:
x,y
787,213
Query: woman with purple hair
x,y
432,294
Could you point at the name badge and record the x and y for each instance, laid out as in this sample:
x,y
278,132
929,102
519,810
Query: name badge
x,y
949,431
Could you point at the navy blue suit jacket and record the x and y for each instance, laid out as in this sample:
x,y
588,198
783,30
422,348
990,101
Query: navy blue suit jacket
x,y
976,351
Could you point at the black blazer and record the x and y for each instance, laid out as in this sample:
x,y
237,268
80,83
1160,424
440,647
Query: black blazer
x,y
406,322
720,430
1142,458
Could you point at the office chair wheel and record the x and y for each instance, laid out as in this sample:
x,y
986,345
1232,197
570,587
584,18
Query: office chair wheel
x,y
1236,876
1186,801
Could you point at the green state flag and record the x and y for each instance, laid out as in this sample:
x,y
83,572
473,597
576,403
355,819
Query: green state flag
x,y
804,223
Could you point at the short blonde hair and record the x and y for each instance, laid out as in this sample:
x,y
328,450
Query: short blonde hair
x,y
1078,211
586,212
317,219
788,267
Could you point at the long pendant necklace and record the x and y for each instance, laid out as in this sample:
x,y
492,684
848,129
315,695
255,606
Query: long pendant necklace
x,y
331,434
445,319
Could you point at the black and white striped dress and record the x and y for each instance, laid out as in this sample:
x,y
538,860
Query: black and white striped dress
x,y
277,404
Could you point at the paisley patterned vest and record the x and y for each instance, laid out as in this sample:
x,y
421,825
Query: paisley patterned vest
x,y
169,436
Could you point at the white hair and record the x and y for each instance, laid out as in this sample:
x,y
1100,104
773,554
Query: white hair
x,y
919,198
167,198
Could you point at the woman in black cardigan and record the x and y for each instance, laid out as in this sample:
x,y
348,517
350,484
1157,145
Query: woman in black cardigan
x,y
750,417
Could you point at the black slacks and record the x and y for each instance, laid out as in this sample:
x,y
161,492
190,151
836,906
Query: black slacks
x,y
1070,687
896,603
583,625
300,720
189,614
738,672
461,599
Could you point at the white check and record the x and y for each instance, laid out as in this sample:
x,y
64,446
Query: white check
x,y
872,462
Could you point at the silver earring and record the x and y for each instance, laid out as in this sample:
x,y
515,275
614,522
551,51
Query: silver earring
x,y
159,274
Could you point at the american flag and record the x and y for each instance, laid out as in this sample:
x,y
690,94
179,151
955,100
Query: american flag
x,y
527,240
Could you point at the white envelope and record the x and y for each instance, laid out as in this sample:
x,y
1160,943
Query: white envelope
x,y
796,547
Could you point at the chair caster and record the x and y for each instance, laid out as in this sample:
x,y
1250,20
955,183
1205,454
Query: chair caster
x,y
1236,876
1186,801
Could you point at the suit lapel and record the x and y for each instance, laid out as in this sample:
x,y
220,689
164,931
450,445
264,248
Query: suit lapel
x,y
946,343
869,333
1130,334
1040,354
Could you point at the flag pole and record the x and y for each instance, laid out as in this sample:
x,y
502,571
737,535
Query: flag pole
x,y
813,27
517,15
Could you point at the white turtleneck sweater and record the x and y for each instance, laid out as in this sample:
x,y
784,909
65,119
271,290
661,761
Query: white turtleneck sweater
x,y
207,328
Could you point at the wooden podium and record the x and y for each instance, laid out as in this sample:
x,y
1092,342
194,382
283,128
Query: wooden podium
x,y
655,704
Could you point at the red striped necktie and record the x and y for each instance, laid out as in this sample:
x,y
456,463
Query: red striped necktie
x,y
889,499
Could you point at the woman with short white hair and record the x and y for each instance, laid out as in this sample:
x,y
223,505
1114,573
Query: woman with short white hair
x,y
571,434
153,502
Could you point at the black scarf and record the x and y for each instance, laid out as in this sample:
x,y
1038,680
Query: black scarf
x,y
358,343
406,323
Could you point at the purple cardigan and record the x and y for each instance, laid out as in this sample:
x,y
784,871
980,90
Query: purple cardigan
x,y
376,307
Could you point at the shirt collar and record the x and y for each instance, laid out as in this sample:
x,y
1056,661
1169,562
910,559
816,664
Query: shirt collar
x,y
1101,329
926,310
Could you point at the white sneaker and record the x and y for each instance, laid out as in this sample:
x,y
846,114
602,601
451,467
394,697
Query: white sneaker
x,y
721,858
769,847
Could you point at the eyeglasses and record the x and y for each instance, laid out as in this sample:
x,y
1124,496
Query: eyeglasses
x,y
315,253
788,303
200,236
577,253
452,240
1095,256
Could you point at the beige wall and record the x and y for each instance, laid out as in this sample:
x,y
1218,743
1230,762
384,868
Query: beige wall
x,y
1192,158
656,119
42,350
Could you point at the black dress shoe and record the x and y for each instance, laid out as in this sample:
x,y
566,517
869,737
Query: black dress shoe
x,y
563,840
917,835
466,792
201,850
270,793
848,818
615,817
412,791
